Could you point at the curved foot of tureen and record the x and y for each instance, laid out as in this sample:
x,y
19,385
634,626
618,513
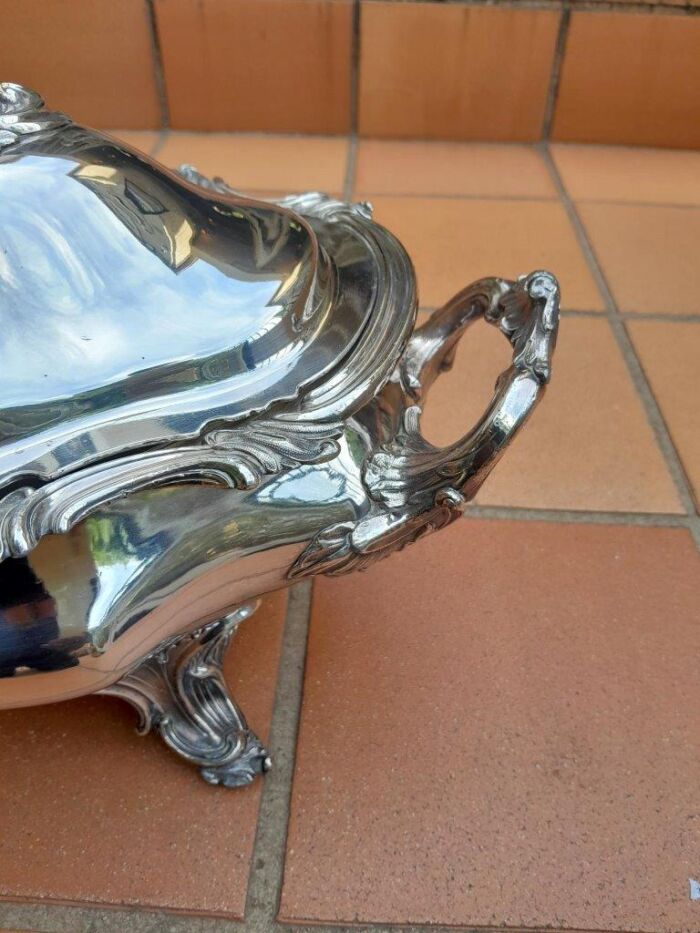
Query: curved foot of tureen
x,y
181,691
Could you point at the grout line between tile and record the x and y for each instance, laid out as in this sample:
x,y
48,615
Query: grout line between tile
x,y
626,347
355,68
160,142
589,6
572,516
676,205
54,917
350,169
310,926
85,920
271,134
157,58
550,199
267,862
66,919
580,312
660,316
555,75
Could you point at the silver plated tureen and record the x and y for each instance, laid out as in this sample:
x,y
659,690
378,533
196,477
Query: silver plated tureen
x,y
204,398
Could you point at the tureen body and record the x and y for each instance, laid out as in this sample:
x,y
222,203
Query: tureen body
x,y
205,398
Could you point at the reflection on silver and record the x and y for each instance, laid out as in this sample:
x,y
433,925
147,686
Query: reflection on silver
x,y
204,398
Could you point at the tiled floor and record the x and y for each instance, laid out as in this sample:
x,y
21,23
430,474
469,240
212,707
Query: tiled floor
x,y
513,743
91,813
500,727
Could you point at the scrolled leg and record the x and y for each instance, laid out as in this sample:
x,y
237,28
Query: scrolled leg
x,y
181,691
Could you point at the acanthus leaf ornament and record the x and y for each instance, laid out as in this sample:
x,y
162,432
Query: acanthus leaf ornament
x,y
347,547
308,204
238,457
180,691
22,114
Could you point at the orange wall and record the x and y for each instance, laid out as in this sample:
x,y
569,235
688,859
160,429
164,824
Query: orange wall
x,y
618,72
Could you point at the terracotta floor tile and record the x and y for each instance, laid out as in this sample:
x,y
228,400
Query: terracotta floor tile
x,y
627,79
588,445
143,140
501,726
488,170
93,812
262,162
621,173
427,70
648,254
453,241
278,65
93,61
670,355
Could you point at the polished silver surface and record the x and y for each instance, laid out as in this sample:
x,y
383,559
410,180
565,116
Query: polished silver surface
x,y
203,399
164,308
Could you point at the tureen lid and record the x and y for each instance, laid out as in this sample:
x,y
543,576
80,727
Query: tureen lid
x,y
138,309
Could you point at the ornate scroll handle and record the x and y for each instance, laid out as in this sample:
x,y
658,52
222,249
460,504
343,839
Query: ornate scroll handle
x,y
409,470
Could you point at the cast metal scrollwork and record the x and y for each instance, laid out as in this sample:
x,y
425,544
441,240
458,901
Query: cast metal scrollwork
x,y
180,690
308,204
22,113
417,487
238,457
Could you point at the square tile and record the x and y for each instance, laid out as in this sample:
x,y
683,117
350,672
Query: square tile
x,y
670,355
436,70
501,728
649,255
92,60
633,174
630,79
442,168
279,65
262,162
588,445
453,241
93,813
